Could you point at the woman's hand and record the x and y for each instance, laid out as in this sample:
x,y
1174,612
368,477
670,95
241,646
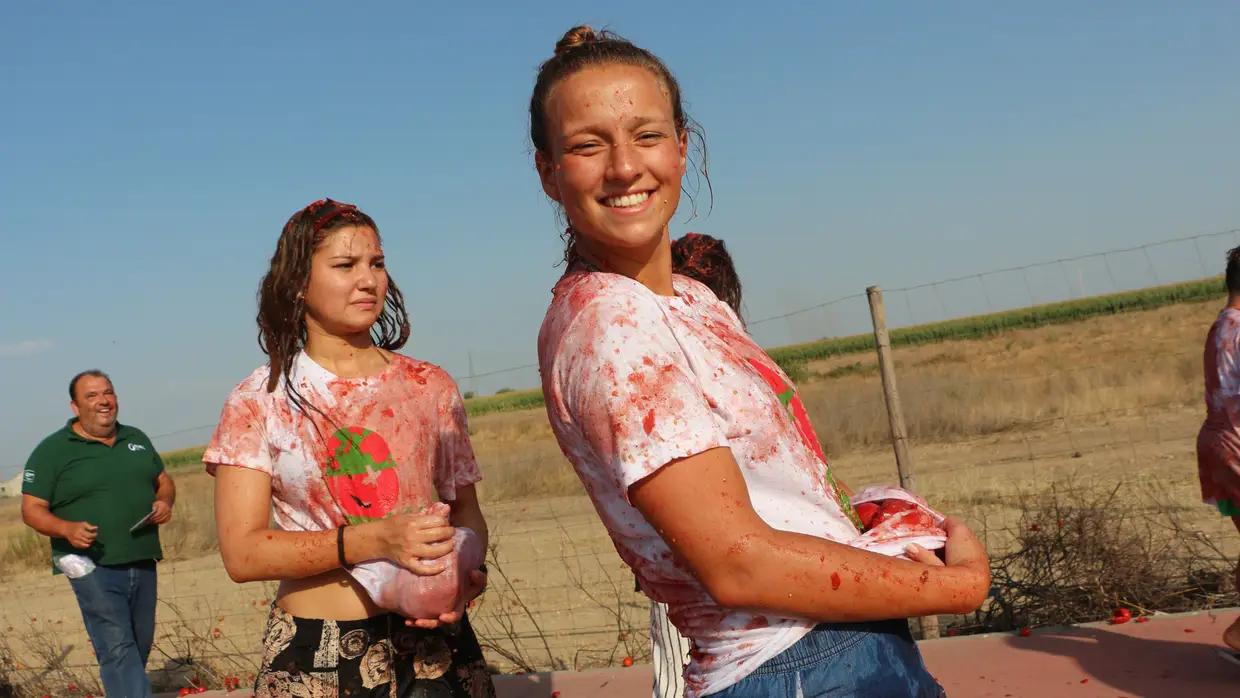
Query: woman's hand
x,y
963,549
916,553
409,539
965,557
477,582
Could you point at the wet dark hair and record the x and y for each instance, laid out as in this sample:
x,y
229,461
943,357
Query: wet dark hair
x,y
1233,270
282,294
582,47
704,258
93,372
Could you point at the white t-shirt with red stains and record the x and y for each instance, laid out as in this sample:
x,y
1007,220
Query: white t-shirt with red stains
x,y
634,380
1222,368
377,445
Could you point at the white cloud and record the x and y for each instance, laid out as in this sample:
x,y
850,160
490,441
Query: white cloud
x,y
28,347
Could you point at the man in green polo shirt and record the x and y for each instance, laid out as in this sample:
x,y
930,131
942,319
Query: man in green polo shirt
x,y
99,490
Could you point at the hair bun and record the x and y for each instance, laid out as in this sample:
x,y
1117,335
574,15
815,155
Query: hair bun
x,y
575,37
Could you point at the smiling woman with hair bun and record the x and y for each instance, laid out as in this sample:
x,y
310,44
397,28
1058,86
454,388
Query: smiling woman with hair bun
x,y
689,440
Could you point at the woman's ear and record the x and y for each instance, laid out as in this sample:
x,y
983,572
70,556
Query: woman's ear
x,y
546,174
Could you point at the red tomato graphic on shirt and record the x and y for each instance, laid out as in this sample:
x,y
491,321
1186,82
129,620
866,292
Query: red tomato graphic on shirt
x,y
361,474
787,395
792,402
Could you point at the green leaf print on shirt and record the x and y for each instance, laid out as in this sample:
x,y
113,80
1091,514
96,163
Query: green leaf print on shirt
x,y
361,474
788,397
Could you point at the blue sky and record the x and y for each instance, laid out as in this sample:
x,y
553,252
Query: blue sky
x,y
152,151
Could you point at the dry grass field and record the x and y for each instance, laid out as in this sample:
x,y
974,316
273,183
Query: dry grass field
x,y
962,398
1110,404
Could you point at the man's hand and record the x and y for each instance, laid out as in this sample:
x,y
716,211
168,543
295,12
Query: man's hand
x,y
163,512
81,534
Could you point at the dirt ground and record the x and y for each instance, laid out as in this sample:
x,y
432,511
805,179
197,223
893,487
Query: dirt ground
x,y
560,596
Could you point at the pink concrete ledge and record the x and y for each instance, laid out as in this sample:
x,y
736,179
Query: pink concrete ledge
x,y
1169,657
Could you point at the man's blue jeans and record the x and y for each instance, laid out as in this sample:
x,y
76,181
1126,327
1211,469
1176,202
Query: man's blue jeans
x,y
118,607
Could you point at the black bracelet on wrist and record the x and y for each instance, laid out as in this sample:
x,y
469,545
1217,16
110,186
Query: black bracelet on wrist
x,y
340,546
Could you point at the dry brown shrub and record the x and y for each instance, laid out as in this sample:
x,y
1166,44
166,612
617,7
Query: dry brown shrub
x,y
1079,553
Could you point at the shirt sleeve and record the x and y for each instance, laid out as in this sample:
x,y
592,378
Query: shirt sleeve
x,y
240,438
39,476
1227,350
627,385
455,462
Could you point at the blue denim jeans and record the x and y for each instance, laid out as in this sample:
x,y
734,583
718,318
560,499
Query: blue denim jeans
x,y
118,607
844,660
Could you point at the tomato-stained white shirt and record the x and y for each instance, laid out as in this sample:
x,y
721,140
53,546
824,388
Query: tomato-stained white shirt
x,y
360,450
634,380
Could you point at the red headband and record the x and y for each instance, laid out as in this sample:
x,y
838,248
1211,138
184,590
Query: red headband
x,y
322,220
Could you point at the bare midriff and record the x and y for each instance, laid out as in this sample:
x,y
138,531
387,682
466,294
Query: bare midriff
x,y
335,595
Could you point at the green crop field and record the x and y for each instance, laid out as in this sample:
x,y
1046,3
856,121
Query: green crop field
x,y
183,458
979,326
794,357
505,402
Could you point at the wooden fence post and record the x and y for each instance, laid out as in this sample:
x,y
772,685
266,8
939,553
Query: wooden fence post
x,y
895,416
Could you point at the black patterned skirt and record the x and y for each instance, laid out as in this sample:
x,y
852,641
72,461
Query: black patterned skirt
x,y
378,657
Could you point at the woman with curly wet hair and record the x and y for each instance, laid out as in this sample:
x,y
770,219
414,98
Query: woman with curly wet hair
x,y
349,444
